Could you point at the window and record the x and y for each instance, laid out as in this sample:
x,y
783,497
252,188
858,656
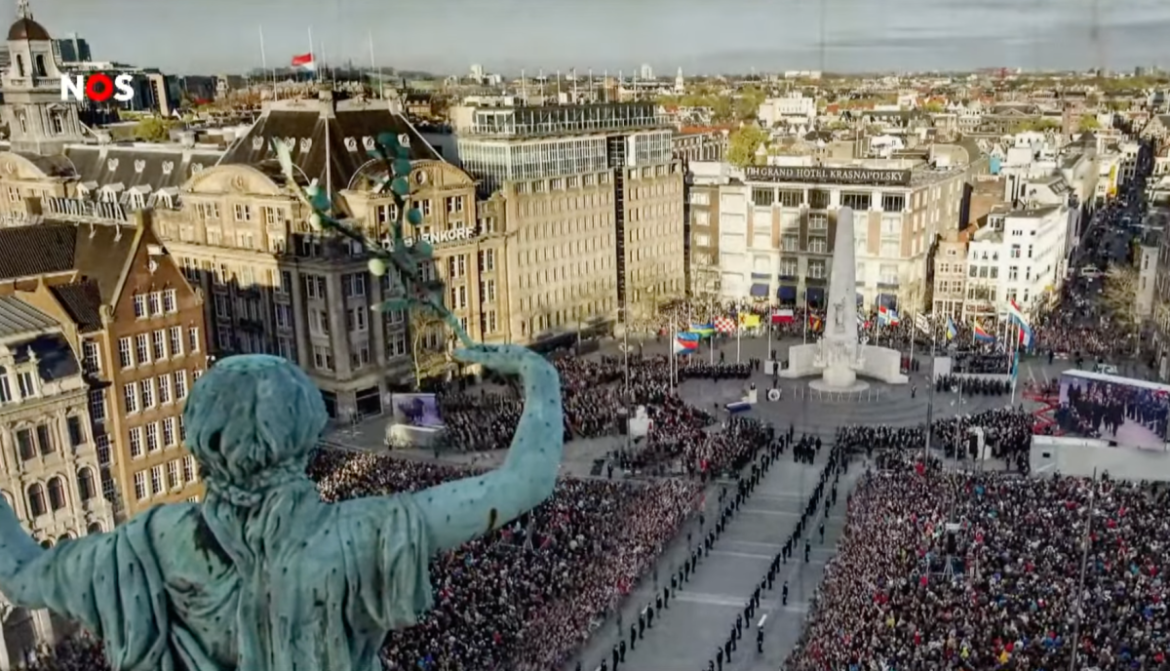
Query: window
x,y
5,389
164,389
130,397
56,493
97,405
85,484
455,204
189,472
25,445
856,201
789,267
818,221
136,442
170,301
146,390
154,300
176,340
243,212
173,475
487,260
139,306
193,339
818,199
142,348
152,437
816,269
353,284
818,244
36,500
169,432
891,248
893,202
140,486
1013,273
45,439
156,480
90,357
76,432
322,357
1015,251
27,384
790,198
158,344
355,320
763,197
180,385
283,316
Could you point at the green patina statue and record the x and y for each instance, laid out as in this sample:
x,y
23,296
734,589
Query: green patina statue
x,y
263,575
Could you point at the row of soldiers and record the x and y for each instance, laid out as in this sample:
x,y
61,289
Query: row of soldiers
x,y
969,386
746,484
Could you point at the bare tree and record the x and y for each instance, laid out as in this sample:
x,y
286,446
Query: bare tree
x,y
428,345
1120,296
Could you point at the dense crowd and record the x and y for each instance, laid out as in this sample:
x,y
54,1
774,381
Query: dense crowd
x,y
1007,433
972,386
1011,587
525,596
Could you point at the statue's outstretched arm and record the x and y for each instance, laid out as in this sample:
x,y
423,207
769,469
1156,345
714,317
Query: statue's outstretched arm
x,y
458,511
21,579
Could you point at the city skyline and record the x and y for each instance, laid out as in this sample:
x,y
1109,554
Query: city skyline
x,y
510,35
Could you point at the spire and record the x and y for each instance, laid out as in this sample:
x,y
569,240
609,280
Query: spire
x,y
23,10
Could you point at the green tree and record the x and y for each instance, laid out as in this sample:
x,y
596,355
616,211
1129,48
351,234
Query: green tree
x,y
153,129
1088,122
744,142
933,107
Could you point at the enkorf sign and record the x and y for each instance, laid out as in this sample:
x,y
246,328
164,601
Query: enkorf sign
x,y
97,87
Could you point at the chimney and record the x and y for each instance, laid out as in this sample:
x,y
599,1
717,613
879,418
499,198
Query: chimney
x,y
187,139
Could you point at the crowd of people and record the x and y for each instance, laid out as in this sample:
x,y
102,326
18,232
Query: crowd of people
x,y
1098,409
528,595
972,386
1007,434
949,570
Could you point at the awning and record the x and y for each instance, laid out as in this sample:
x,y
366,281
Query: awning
x,y
786,294
888,300
815,295
759,291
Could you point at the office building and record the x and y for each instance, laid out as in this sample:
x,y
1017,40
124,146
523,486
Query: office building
x,y
591,197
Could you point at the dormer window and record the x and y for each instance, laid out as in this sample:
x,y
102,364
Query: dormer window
x,y
136,200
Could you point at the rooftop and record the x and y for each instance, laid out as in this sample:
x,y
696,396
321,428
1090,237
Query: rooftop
x,y
20,318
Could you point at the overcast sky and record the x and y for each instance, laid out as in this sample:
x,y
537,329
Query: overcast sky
x,y
702,37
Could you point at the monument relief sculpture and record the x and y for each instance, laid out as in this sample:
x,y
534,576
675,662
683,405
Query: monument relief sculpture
x,y
262,575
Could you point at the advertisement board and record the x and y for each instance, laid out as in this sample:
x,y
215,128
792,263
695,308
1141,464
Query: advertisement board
x,y
416,410
1130,412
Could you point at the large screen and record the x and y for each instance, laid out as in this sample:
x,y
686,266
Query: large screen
x,y
1131,412
417,410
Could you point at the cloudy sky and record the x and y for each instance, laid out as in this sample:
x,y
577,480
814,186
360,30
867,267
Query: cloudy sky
x,y
699,36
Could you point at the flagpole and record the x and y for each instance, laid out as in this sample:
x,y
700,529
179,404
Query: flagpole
x,y
807,316
930,398
913,330
673,362
312,56
264,61
769,350
738,331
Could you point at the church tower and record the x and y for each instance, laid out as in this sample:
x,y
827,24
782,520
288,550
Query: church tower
x,y
39,122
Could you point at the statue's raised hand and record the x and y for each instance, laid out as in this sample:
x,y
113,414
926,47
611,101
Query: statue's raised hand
x,y
461,510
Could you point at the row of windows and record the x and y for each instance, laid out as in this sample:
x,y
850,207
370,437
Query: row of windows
x,y
41,440
160,345
57,494
156,304
152,437
28,385
147,394
172,476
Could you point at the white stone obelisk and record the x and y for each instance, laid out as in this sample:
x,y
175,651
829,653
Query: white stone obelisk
x,y
839,342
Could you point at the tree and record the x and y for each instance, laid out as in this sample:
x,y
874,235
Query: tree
x,y
428,345
934,107
1088,122
743,144
1120,295
153,129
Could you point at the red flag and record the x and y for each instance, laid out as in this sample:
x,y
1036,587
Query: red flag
x,y
304,61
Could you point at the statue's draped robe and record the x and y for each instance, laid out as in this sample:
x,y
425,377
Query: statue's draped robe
x,y
306,586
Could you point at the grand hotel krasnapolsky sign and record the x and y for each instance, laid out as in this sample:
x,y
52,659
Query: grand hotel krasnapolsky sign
x,y
847,176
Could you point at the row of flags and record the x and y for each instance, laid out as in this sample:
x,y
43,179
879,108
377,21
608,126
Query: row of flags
x,y
688,341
